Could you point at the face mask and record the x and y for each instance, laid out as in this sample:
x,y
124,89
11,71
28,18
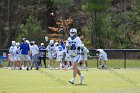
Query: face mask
x,y
31,44
71,34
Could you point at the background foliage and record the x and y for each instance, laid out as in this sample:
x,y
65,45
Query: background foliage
x,y
100,23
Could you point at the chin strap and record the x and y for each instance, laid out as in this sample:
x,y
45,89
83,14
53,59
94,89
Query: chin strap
x,y
73,37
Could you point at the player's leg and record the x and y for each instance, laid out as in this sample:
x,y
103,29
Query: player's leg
x,y
27,61
76,70
105,66
36,60
44,60
86,65
81,64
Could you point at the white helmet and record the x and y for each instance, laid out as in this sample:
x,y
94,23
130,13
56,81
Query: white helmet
x,y
73,32
13,43
27,41
33,42
42,44
82,45
56,43
51,41
17,44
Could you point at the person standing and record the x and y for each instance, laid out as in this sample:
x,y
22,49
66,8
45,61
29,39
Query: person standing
x,y
42,54
84,56
51,53
12,52
74,43
25,52
35,54
18,60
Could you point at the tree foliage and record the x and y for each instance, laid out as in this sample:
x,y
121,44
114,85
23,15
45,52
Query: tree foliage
x,y
101,23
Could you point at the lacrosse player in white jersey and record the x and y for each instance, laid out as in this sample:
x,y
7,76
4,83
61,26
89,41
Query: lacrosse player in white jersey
x,y
51,52
74,49
59,55
18,60
102,56
35,54
84,54
12,52
67,56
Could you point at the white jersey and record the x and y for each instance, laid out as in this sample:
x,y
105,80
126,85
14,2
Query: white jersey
x,y
73,48
59,53
12,50
51,51
59,50
73,44
34,49
84,51
102,54
18,54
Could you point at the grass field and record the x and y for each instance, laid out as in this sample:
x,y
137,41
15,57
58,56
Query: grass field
x,y
113,63
56,81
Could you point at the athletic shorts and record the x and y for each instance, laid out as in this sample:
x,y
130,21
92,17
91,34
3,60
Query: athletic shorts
x,y
75,59
103,58
67,58
83,58
17,58
24,57
59,58
12,58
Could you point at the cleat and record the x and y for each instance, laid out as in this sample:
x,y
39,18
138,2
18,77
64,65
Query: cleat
x,y
27,69
71,82
37,68
20,68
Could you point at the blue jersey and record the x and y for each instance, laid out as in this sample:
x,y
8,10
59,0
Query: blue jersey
x,y
24,47
42,51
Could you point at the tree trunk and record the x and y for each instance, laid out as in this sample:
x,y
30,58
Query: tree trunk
x,y
93,32
9,24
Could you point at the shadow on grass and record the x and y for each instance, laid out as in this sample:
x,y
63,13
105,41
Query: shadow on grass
x,y
80,84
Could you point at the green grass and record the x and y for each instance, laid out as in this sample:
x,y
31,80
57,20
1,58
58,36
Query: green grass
x,y
56,81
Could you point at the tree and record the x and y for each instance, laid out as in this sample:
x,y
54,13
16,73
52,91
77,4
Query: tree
x,y
95,6
31,30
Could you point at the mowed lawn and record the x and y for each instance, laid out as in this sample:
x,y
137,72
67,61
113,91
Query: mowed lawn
x,y
56,81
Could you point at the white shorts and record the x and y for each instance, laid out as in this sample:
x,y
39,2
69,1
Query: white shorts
x,y
75,59
18,58
59,58
51,56
104,57
67,58
83,58
12,58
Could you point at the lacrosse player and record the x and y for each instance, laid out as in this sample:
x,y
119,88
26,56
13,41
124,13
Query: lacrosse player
x,y
84,54
102,56
51,52
35,54
74,49
68,64
59,55
18,60
12,52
